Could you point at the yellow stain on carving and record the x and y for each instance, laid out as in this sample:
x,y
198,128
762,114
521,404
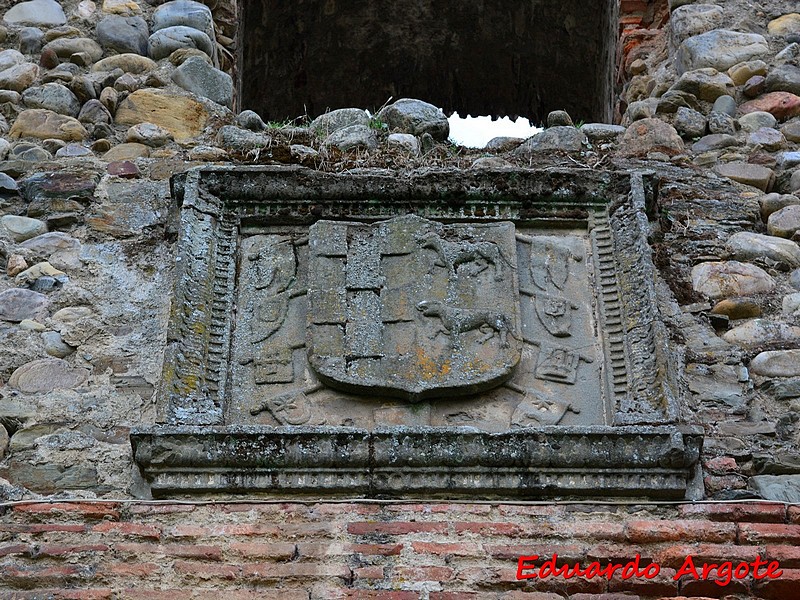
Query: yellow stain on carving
x,y
478,366
186,384
428,368
191,383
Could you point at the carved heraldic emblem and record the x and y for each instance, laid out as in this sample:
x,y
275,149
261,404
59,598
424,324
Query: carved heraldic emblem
x,y
413,308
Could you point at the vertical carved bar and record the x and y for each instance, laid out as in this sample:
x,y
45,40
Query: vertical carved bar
x,y
610,312
198,339
651,397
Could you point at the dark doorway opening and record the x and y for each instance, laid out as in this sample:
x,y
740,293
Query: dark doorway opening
x,y
479,57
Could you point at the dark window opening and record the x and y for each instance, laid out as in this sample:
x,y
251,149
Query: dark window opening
x,y
479,57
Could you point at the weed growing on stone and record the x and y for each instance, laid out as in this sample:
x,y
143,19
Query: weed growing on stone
x,y
376,122
280,124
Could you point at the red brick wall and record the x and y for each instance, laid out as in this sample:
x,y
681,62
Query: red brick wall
x,y
383,551
641,22
642,14
641,32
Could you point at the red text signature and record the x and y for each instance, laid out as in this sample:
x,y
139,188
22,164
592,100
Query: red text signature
x,y
722,573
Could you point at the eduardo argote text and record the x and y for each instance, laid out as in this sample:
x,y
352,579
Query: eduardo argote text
x,y
721,573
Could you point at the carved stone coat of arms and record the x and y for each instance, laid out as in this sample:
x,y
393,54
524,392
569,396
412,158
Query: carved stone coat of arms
x,y
455,332
413,308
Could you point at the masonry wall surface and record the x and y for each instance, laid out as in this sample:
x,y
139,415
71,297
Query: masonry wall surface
x,y
91,373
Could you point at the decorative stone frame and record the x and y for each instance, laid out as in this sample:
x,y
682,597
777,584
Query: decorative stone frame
x,y
642,452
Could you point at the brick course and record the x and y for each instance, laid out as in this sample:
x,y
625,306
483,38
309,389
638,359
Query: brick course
x,y
371,550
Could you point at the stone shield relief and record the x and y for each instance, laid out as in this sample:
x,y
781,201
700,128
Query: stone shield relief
x,y
413,308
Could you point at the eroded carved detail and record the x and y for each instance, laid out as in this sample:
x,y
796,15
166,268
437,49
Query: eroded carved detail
x,y
453,462
550,262
534,409
272,292
554,313
559,364
453,254
456,321
196,357
611,307
292,408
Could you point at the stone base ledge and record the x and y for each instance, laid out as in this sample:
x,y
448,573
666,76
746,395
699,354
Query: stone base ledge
x,y
647,462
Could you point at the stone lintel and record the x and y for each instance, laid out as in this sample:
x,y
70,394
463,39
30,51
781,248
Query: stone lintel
x,y
655,462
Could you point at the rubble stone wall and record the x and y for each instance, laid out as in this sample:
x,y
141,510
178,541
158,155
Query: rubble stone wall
x,y
102,102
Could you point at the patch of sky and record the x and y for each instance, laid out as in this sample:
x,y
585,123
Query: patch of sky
x,y
475,132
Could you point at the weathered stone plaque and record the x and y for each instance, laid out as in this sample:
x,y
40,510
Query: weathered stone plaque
x,y
413,308
490,334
